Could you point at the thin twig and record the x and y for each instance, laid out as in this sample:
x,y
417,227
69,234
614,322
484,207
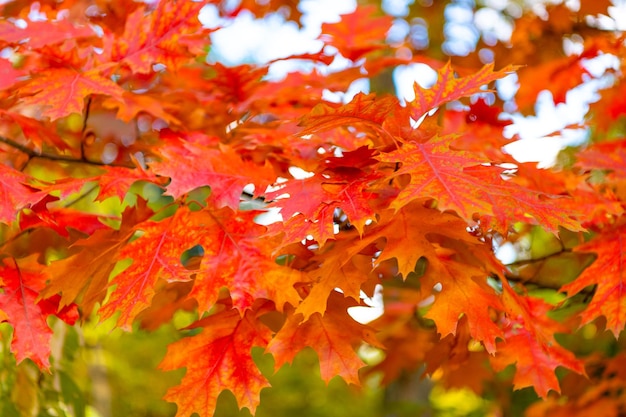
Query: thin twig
x,y
80,197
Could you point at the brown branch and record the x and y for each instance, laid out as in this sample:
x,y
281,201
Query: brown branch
x,y
54,157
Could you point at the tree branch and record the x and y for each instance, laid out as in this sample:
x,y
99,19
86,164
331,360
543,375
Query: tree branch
x,y
52,157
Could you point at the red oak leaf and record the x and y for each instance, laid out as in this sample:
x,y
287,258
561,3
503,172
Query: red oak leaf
x,y
610,156
238,257
19,301
317,197
170,34
217,359
608,273
560,75
83,276
530,344
191,165
341,267
155,255
333,335
458,181
449,88
60,219
38,34
8,74
461,289
408,235
363,109
61,92
15,194
357,33
35,131
113,182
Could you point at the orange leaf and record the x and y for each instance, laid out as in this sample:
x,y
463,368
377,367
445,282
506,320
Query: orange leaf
x,y
458,182
449,88
218,359
463,291
171,35
113,182
333,335
15,194
609,156
343,186
412,233
357,33
530,344
155,255
42,33
19,301
408,234
36,131
238,257
8,74
61,92
193,161
560,75
341,267
608,273
85,272
363,108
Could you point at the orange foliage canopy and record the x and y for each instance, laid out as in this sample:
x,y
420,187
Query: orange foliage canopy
x,y
114,101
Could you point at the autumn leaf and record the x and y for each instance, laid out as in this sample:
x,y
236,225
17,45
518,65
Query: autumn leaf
x,y
458,182
217,359
363,109
238,257
38,34
408,235
111,182
358,33
61,92
609,156
458,364
463,290
133,104
561,76
60,219
194,164
155,255
170,35
343,185
83,276
8,74
448,88
26,312
262,9
414,232
334,335
341,267
406,343
530,344
609,297
15,193
35,131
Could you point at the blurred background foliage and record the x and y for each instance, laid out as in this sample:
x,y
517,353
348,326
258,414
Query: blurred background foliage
x,y
98,371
